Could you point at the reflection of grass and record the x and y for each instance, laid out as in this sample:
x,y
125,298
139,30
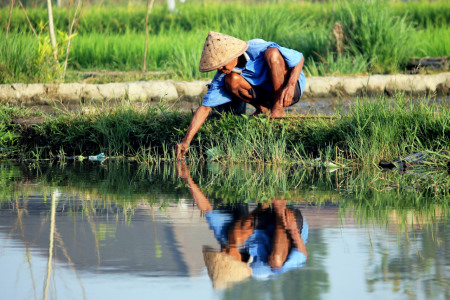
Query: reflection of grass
x,y
262,183
412,199
105,231
122,185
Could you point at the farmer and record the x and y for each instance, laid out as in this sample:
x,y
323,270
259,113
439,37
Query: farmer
x,y
257,72
269,240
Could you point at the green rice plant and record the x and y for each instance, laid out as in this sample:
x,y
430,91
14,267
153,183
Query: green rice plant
x,y
336,65
433,41
23,57
117,131
120,18
373,32
17,55
125,52
241,139
272,29
424,13
313,40
112,38
184,58
184,63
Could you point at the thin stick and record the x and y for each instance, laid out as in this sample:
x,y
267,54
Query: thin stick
x,y
71,29
149,9
51,29
9,18
305,117
29,22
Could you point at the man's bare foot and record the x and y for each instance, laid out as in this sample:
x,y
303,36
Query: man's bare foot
x,y
260,110
277,113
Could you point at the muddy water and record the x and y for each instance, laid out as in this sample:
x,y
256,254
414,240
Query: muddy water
x,y
115,231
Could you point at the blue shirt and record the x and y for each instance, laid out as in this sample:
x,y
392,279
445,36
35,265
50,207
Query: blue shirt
x,y
256,72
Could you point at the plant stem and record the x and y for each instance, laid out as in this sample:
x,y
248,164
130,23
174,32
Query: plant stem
x,y
149,9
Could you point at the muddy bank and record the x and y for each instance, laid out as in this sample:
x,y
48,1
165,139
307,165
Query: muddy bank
x,y
189,94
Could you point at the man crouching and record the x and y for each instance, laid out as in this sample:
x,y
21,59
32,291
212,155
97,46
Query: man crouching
x,y
257,72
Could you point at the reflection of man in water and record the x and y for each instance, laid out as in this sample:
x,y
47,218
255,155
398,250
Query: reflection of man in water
x,y
266,241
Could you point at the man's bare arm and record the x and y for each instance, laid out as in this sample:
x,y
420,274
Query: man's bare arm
x,y
283,80
197,121
199,198
288,91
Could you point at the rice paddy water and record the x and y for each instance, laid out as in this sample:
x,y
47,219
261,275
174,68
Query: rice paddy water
x,y
99,230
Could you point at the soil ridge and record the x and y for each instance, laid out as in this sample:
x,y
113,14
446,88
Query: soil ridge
x,y
171,91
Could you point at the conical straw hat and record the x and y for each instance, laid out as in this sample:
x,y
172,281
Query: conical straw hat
x,y
219,50
224,270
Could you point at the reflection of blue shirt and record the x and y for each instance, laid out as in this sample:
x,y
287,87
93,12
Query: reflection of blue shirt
x,y
256,72
258,245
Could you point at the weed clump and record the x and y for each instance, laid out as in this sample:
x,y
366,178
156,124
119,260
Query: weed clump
x,y
375,129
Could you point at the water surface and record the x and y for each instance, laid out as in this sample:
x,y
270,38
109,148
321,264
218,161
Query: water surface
x,y
115,231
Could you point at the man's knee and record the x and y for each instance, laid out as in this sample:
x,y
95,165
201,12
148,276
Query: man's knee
x,y
232,82
273,57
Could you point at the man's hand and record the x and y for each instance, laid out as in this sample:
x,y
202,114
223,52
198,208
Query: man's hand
x,y
181,149
183,170
199,118
287,94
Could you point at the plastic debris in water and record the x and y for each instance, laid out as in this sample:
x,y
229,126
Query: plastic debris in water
x,y
330,165
98,157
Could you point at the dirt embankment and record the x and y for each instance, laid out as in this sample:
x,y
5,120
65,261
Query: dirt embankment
x,y
178,93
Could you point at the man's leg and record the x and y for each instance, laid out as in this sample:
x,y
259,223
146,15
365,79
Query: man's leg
x,y
279,74
239,87
236,107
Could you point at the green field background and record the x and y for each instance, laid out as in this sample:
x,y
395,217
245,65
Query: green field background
x,y
381,36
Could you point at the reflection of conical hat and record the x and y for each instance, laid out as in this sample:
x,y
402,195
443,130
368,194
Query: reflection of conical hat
x,y
219,50
224,270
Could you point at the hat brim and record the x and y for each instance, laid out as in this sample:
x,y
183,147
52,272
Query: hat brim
x,y
225,62
223,269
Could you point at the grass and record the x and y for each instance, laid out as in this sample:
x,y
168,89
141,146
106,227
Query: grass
x,y
17,58
336,65
113,18
375,129
380,36
373,32
430,42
